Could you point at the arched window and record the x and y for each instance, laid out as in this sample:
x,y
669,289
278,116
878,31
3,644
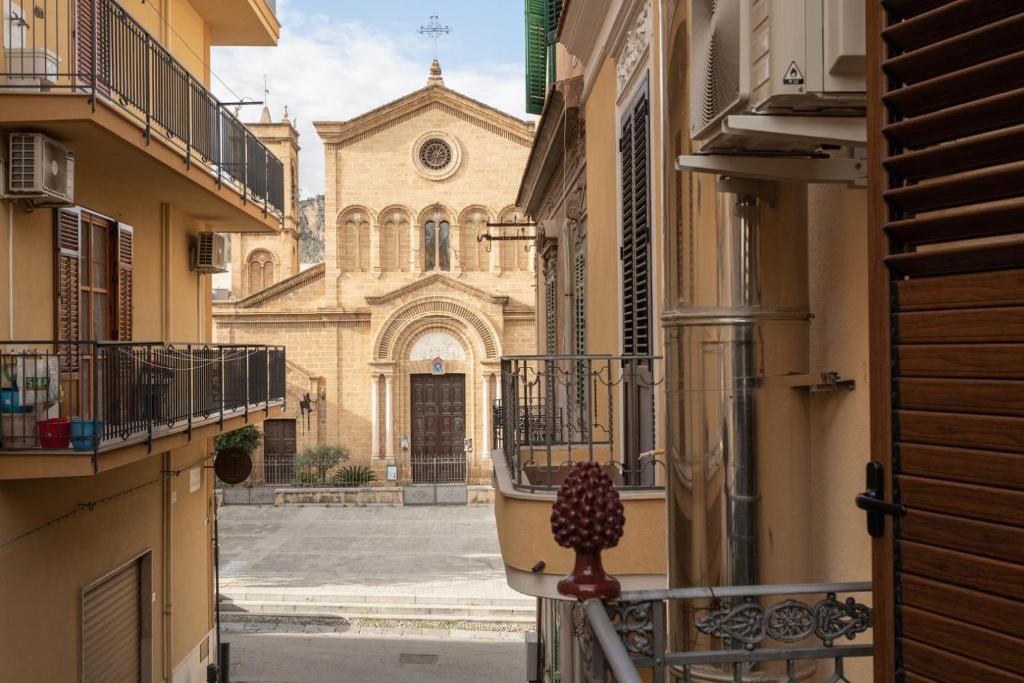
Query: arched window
x,y
437,246
260,267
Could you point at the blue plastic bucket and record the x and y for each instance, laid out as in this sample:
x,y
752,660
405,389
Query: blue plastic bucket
x,y
85,434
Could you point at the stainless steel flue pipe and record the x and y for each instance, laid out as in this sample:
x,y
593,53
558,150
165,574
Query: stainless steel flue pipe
x,y
737,442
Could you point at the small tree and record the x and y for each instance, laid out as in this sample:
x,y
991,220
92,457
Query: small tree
x,y
321,459
247,438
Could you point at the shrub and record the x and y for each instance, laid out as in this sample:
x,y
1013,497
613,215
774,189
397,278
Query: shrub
x,y
306,478
247,438
321,459
353,475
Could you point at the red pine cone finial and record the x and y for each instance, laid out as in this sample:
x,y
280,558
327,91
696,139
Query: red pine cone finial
x,y
588,517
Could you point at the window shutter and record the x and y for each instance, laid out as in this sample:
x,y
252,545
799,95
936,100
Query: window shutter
x,y
580,294
551,300
554,14
67,271
536,55
634,145
112,614
92,57
125,296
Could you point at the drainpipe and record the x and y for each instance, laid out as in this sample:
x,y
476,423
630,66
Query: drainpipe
x,y
739,436
168,582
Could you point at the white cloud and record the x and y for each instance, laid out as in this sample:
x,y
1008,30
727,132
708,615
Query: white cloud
x,y
328,69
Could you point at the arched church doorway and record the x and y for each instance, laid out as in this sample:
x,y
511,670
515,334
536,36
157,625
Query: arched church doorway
x,y
438,448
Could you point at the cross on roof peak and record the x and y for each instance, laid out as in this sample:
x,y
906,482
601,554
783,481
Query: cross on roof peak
x,y
435,29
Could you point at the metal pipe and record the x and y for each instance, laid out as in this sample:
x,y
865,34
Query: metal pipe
x,y
738,446
611,644
10,270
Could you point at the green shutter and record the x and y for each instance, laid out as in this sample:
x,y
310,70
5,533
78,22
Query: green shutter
x,y
536,54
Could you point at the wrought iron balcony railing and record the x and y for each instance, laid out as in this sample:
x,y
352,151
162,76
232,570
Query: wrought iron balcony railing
x,y
94,396
555,411
98,48
742,633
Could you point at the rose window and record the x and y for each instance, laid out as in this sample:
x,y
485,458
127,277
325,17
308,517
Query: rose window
x,y
435,154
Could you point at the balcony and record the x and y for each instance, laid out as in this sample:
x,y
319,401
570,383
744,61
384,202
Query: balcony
x,y
92,77
556,411
240,22
77,408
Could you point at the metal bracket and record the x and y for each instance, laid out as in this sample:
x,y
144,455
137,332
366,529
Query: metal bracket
x,y
848,131
814,383
851,170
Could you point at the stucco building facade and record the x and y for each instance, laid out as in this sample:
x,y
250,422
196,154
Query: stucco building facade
x,y
395,339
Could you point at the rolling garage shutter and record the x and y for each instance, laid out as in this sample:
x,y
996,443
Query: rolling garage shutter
x,y
112,628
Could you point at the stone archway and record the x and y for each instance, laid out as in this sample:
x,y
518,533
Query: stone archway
x,y
405,348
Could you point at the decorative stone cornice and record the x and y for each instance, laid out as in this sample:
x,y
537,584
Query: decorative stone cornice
x,y
430,97
437,279
284,286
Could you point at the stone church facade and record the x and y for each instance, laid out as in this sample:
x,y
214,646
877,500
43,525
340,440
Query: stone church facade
x,y
394,340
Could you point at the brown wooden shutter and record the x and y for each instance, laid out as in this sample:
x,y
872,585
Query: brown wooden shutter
x,y
551,299
634,145
946,98
112,628
67,271
93,55
123,272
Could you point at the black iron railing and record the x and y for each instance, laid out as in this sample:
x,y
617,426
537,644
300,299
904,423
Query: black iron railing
x,y
97,47
91,396
555,411
729,633
438,466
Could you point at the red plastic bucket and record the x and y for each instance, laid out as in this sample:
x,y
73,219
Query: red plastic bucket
x,y
55,433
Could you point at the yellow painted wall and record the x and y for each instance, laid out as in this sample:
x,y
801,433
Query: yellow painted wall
x,y
524,534
44,574
103,194
177,25
603,315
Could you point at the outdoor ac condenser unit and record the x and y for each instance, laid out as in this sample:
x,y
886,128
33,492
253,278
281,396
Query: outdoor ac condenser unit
x,y
773,57
211,253
40,169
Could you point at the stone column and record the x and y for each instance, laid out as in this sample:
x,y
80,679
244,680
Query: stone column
x,y
485,442
389,418
375,247
455,249
496,248
374,416
415,264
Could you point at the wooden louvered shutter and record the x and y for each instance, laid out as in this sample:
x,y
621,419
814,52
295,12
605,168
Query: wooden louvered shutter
x,y
946,106
634,146
93,54
536,55
551,299
67,271
112,614
123,272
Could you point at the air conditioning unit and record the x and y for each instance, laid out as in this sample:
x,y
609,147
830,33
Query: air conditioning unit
x,y
40,169
780,58
211,253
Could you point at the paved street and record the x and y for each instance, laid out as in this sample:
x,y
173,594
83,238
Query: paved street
x,y
380,594
364,551
332,658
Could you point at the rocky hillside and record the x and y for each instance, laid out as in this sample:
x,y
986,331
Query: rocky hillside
x,y
311,229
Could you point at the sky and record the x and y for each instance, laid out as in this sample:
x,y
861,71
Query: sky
x,y
339,58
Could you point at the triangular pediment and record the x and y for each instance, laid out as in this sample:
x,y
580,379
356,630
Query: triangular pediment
x,y
428,98
437,282
286,286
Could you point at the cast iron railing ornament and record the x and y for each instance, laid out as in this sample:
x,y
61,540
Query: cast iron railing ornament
x,y
749,623
588,517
